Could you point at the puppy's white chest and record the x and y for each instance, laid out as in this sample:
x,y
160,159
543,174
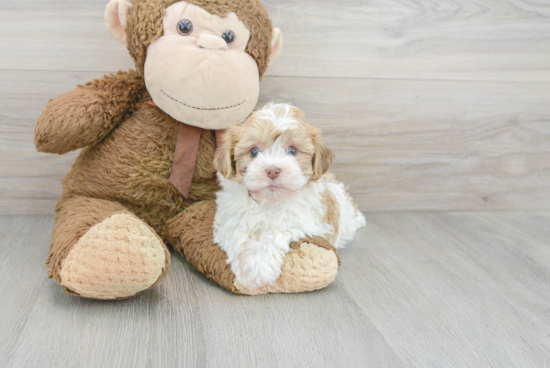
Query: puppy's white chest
x,y
240,215
279,220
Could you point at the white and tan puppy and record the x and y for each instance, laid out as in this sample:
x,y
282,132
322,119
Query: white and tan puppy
x,y
276,189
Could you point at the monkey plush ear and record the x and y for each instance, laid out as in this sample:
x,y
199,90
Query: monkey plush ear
x,y
116,14
276,44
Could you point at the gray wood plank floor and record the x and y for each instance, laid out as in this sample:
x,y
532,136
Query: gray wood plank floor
x,y
415,289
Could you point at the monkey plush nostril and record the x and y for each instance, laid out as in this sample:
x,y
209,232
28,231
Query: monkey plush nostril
x,y
211,42
273,172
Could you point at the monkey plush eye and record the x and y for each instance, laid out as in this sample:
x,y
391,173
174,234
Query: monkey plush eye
x,y
291,150
229,37
185,27
254,152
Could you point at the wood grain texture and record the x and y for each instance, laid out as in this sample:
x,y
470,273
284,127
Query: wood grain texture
x,y
454,283
414,136
400,145
415,289
186,321
405,145
22,273
448,39
30,182
459,40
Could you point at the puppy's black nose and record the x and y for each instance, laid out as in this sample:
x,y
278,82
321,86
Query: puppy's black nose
x,y
272,172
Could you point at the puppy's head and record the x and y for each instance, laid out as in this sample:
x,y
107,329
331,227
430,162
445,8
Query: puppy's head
x,y
274,153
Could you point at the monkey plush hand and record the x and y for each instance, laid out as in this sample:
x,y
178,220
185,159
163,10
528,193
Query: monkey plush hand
x,y
145,174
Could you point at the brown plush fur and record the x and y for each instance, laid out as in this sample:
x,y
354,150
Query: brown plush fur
x,y
133,163
191,234
144,26
74,217
97,106
129,147
126,172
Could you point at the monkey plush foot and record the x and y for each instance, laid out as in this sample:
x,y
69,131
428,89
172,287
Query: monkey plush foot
x,y
311,264
115,259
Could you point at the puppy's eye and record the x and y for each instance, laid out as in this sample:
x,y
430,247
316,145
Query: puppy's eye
x,y
291,150
229,37
254,152
185,27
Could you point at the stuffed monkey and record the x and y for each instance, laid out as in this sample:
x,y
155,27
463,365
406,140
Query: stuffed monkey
x,y
144,177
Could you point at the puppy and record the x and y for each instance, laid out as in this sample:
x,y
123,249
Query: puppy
x,y
276,189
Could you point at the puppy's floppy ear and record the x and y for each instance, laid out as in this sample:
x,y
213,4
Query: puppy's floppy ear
x,y
322,158
224,159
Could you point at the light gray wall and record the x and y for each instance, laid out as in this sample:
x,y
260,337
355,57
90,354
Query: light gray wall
x,y
428,105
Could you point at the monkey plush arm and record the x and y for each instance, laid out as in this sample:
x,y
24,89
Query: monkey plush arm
x,y
87,114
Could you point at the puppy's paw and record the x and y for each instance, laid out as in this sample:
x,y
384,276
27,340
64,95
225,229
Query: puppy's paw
x,y
259,265
312,264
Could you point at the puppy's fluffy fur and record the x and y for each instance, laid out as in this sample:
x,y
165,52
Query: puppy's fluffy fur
x,y
276,190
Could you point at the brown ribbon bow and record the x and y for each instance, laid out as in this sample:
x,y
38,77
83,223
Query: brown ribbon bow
x,y
185,157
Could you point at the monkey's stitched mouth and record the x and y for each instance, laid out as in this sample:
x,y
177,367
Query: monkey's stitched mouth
x,y
202,108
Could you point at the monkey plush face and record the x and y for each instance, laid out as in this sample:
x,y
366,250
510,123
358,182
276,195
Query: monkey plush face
x,y
199,67
198,71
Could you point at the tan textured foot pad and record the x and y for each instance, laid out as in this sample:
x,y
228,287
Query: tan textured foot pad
x,y
307,267
116,258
